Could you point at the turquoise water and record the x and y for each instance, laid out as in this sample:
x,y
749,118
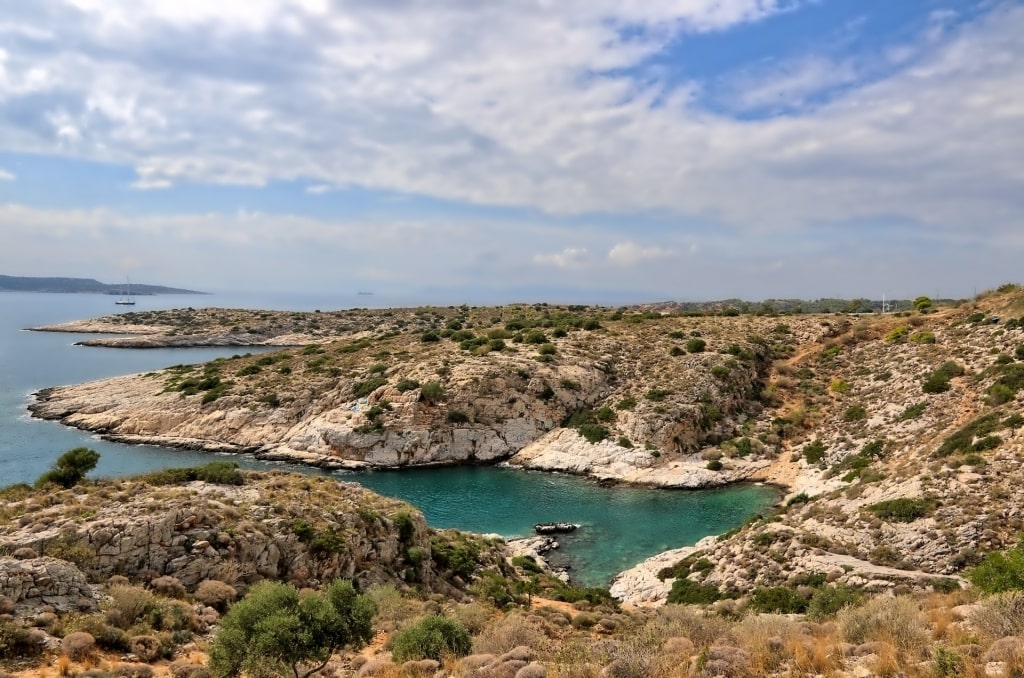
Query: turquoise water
x,y
621,525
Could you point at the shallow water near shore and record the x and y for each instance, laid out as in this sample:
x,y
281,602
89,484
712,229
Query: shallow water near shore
x,y
620,525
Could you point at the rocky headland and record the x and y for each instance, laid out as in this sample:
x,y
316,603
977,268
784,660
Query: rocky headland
x,y
896,438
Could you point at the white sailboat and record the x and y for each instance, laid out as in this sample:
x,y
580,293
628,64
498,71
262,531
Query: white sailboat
x,y
126,298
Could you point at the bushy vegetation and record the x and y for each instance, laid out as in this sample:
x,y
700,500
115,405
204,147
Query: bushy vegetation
x,y
217,472
903,510
70,468
937,381
276,629
1000,571
433,637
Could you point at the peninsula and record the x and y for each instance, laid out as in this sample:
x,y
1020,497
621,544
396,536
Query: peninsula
x,y
894,436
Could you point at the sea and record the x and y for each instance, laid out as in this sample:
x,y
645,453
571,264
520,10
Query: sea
x,y
619,526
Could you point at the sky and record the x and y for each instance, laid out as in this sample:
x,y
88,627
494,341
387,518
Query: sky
x,y
593,151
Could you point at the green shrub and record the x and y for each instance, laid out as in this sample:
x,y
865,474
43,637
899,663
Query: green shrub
x,y
962,441
404,385
923,337
605,414
937,381
778,600
248,370
656,395
715,465
840,386
547,349
914,411
855,413
627,403
903,510
433,637
594,433
70,468
1000,571
688,592
625,442
828,600
431,392
217,472
897,335
696,345
275,630
948,664
457,417
430,336
364,388
814,452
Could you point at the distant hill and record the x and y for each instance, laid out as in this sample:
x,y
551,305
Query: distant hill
x,y
9,283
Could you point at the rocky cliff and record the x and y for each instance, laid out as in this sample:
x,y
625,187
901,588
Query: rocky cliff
x,y
306,530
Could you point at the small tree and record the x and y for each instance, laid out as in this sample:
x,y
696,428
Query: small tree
x,y
70,468
276,631
923,304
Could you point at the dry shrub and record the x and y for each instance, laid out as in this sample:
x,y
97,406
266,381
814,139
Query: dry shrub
x,y
182,669
763,637
474,616
532,671
1000,615
392,607
146,648
679,620
128,604
132,671
78,645
511,631
896,621
578,658
215,594
63,665
168,586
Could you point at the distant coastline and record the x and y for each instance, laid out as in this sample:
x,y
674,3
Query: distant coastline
x,y
60,285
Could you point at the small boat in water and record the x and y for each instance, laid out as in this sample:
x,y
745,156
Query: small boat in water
x,y
126,298
554,528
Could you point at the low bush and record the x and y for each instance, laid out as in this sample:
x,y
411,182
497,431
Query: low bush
x,y
688,592
828,600
1000,571
778,600
903,510
433,637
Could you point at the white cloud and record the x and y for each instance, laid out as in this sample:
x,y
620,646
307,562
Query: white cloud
x,y
531,106
319,189
630,253
6,176
570,257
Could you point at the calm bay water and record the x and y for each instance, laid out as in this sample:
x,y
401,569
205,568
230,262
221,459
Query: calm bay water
x,y
621,525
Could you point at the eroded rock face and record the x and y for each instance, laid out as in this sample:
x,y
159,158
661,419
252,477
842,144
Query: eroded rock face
x,y
34,582
277,526
662,406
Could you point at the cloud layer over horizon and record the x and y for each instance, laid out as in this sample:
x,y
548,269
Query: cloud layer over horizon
x,y
573,144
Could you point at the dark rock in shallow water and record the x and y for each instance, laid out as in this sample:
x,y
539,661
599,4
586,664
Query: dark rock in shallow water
x,y
554,528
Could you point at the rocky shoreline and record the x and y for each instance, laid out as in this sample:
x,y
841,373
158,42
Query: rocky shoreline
x,y
839,413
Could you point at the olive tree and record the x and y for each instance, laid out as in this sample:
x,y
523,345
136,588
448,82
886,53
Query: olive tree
x,y
277,631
